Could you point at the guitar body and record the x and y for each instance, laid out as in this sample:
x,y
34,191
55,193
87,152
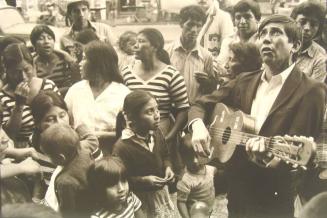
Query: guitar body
x,y
226,129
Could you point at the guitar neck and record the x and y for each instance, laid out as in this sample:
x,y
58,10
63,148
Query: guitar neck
x,y
244,137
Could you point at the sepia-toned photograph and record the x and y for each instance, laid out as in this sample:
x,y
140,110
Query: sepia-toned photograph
x,y
163,108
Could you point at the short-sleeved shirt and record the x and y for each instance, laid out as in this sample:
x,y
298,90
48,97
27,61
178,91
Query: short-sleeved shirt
x,y
312,62
196,187
167,86
8,103
98,114
187,63
133,205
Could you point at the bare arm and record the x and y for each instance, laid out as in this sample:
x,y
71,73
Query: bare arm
x,y
182,208
181,119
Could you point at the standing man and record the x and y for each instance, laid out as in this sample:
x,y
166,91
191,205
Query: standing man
x,y
78,15
246,16
310,18
193,61
283,100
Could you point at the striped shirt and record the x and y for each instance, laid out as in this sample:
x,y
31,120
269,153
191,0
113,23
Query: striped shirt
x,y
8,103
133,205
59,71
167,86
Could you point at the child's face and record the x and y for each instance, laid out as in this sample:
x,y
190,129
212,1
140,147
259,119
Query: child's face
x,y
192,163
54,115
117,194
129,47
149,116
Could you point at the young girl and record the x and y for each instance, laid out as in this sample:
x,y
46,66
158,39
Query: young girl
x,y
108,181
144,152
197,182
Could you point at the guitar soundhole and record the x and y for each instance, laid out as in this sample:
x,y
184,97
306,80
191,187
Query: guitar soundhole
x,y
226,135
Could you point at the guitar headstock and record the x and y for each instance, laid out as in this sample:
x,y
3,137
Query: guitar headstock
x,y
295,150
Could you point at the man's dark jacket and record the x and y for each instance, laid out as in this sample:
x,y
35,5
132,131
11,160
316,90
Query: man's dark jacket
x,y
255,191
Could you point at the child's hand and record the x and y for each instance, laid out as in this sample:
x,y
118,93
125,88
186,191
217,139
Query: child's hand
x,y
154,181
169,174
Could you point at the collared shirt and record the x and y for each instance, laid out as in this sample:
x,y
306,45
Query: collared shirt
x,y
187,63
103,31
98,114
147,143
312,62
266,95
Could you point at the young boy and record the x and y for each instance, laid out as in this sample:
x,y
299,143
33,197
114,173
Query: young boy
x,y
67,191
197,183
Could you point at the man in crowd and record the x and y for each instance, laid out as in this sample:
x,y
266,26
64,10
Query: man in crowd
x,y
78,13
283,100
312,58
246,15
193,61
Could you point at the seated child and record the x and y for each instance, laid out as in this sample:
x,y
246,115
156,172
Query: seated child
x,y
197,182
112,198
125,52
67,191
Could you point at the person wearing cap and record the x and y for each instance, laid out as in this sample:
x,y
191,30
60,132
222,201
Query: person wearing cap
x,y
283,100
52,16
21,88
312,58
78,15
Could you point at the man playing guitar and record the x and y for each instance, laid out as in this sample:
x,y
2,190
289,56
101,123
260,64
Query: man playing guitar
x,y
283,101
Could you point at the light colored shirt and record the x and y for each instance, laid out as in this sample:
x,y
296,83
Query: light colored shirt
x,y
98,114
266,95
50,198
148,144
187,63
197,187
219,23
312,62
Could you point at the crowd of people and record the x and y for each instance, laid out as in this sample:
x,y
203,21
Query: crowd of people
x,y
119,128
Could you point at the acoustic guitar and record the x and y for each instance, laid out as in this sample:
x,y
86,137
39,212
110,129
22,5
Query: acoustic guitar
x,y
230,128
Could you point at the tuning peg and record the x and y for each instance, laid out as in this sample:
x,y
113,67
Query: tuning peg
x,y
304,167
295,165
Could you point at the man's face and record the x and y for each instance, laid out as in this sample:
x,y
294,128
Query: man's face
x,y
190,30
309,26
246,22
80,14
275,48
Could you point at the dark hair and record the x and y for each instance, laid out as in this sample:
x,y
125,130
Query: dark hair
x,y
192,11
156,40
102,60
43,102
70,6
124,38
133,104
105,173
249,56
38,30
86,36
245,5
291,29
8,40
28,210
60,139
16,53
311,9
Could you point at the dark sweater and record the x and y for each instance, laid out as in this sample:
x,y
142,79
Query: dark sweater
x,y
141,162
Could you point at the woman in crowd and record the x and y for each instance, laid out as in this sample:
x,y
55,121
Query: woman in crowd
x,y
154,73
144,152
21,88
96,100
52,64
244,57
